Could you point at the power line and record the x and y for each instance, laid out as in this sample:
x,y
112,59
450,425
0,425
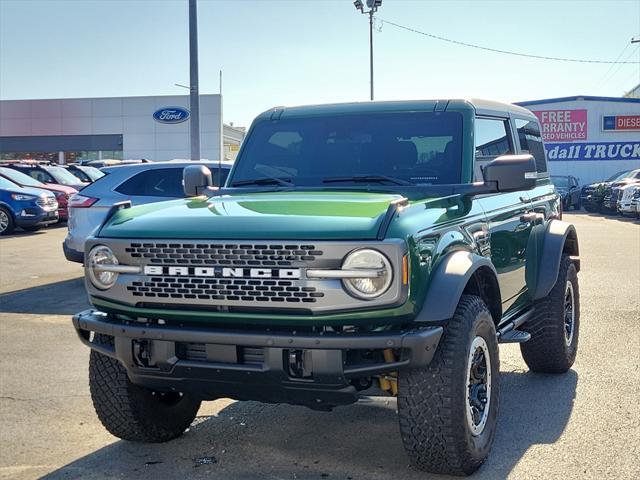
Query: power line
x,y
505,52
606,74
615,72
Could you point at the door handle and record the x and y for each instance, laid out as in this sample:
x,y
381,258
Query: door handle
x,y
533,217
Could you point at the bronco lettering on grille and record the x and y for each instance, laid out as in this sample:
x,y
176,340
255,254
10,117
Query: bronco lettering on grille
x,y
223,272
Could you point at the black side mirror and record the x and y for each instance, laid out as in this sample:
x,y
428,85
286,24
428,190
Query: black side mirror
x,y
511,173
196,179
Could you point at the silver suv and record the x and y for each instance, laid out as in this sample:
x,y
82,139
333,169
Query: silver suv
x,y
140,183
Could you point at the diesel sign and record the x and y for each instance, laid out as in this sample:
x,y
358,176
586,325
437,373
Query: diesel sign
x,y
223,272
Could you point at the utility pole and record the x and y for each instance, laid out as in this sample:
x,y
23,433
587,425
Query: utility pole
x,y
373,6
637,40
194,94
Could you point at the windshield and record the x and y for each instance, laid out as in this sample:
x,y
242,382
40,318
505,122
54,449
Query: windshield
x,y
62,175
92,172
617,176
398,148
7,184
560,182
20,178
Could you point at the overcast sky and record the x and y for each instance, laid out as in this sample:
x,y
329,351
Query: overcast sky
x,y
307,51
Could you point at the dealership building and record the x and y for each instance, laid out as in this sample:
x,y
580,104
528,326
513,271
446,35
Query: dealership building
x,y
74,129
591,138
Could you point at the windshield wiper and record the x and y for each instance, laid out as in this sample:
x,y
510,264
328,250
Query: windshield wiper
x,y
263,181
367,179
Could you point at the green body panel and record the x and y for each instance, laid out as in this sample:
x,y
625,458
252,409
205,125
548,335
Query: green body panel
x,y
284,215
486,225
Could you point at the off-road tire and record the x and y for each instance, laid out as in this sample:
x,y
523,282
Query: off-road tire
x,y
9,219
432,406
135,413
548,351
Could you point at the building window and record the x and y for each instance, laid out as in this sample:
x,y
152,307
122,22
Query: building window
x,y
41,156
531,142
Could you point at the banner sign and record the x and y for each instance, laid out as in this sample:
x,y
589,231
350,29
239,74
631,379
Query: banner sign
x,y
563,125
628,123
593,151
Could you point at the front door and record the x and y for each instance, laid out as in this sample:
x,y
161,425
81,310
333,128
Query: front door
x,y
510,216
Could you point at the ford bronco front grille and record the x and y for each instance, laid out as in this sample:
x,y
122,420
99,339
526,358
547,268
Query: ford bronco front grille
x,y
225,254
239,275
247,290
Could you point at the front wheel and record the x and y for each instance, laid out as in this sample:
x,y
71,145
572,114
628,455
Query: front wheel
x,y
6,222
132,412
448,410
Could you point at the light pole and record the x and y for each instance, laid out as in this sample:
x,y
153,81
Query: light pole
x,y
194,95
637,40
373,6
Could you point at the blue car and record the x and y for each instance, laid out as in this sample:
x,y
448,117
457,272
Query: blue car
x,y
27,208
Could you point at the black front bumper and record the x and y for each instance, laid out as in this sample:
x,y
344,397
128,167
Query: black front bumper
x,y
249,365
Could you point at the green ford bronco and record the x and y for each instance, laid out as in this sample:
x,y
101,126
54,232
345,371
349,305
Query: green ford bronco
x,y
363,249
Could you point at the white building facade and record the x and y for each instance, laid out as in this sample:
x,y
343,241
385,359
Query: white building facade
x,y
591,138
73,129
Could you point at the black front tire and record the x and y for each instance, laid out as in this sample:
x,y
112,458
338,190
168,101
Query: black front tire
x,y
6,222
132,412
555,330
432,401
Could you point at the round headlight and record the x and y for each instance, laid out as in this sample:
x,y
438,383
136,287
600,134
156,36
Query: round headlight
x,y
101,255
370,286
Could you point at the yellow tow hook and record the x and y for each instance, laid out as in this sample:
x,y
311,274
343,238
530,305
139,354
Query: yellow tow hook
x,y
389,383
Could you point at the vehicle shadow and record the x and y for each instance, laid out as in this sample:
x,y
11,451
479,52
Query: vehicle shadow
x,y
18,232
247,440
60,298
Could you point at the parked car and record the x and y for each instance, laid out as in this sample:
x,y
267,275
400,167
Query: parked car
x,y
350,252
48,173
113,162
612,191
85,173
635,202
628,201
592,195
61,192
569,190
139,182
25,207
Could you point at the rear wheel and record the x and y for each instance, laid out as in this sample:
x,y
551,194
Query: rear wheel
x,y
132,412
6,221
554,327
448,410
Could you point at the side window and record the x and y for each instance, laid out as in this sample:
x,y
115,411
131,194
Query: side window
x,y
531,141
157,182
41,176
492,140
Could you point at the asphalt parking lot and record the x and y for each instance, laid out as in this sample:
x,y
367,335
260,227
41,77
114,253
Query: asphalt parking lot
x,y
583,424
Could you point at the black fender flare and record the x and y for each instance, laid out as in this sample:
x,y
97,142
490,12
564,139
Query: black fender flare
x,y
560,237
447,284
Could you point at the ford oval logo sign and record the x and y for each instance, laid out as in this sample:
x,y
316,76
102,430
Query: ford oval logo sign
x,y
171,115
